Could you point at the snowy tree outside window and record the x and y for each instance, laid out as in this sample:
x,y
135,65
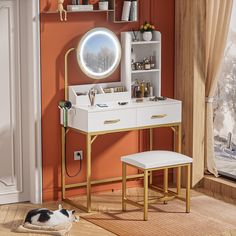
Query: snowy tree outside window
x,y
224,106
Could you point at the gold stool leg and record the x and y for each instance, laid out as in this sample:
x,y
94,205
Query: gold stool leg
x,y
178,180
145,207
150,148
165,184
123,186
150,178
188,189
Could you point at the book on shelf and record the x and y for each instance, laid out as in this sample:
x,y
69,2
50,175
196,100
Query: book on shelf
x,y
133,11
79,7
126,11
130,11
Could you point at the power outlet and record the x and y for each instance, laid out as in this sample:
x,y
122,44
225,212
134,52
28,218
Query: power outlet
x,y
78,155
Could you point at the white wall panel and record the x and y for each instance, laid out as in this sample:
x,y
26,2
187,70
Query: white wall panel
x,y
10,100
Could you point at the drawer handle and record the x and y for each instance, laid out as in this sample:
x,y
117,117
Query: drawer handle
x,y
107,122
158,116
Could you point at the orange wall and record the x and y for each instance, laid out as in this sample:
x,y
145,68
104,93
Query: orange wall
x,y
56,38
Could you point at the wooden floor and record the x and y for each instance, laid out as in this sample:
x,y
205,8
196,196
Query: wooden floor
x,y
220,188
12,215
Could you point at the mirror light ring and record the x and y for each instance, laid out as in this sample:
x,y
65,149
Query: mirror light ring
x,y
82,43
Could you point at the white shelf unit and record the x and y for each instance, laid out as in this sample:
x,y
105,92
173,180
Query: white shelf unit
x,y
141,50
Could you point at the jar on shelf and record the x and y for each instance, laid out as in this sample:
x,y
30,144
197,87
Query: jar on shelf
x,y
103,5
147,36
147,64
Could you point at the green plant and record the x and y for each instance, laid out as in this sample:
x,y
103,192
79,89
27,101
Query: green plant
x,y
146,27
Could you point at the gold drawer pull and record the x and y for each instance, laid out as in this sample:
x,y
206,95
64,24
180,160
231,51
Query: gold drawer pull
x,y
158,116
107,122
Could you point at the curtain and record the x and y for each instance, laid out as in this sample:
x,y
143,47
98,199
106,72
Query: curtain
x,y
218,14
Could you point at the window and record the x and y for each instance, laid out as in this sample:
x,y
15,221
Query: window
x,y
225,108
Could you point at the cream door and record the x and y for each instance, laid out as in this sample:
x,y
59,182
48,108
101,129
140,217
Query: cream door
x,y
14,169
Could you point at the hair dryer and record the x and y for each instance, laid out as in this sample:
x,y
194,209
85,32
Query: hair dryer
x,y
65,106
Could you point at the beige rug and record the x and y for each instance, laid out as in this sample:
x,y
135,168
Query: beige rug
x,y
208,217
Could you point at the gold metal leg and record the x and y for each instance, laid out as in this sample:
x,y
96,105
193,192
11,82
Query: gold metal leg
x,y
165,184
123,186
179,137
150,148
178,149
63,134
188,189
145,208
165,187
178,180
88,144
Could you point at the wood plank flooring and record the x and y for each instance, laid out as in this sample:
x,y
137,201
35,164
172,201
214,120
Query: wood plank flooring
x,y
12,215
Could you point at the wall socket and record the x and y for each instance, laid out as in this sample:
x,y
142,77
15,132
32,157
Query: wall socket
x,y
78,155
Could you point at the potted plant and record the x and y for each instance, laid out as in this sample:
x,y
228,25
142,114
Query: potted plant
x,y
103,5
146,29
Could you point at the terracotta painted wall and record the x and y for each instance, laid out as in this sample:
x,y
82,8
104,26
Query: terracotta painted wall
x,y
56,38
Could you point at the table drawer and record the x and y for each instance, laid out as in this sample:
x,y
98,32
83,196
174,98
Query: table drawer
x,y
156,115
111,120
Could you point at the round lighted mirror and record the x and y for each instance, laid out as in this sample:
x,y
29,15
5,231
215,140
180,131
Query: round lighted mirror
x,y
99,53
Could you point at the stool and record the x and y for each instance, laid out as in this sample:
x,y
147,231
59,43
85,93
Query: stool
x,y
157,160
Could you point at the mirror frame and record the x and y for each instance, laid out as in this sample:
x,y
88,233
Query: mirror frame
x,y
81,44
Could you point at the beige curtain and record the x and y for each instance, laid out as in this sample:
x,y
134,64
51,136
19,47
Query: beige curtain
x,y
218,14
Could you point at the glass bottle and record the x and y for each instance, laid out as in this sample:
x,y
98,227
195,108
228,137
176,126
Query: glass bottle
x,y
146,92
138,92
142,87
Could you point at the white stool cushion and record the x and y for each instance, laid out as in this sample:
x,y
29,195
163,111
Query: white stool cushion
x,y
156,159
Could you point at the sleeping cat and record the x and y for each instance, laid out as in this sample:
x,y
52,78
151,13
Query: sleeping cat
x,y
45,217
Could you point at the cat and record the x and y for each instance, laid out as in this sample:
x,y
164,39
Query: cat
x,y
46,217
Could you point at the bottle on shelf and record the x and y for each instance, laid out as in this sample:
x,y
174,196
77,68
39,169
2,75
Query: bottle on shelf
x,y
151,90
138,92
153,62
133,59
146,93
143,85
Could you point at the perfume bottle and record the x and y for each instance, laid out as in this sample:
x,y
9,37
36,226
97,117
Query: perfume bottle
x,y
152,62
142,87
138,92
146,93
151,90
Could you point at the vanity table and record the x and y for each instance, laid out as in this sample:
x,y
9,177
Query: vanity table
x,y
115,112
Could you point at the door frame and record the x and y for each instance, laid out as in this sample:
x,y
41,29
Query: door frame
x,y
32,9
27,46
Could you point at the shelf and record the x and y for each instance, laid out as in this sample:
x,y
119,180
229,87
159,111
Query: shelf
x,y
145,42
117,5
144,71
114,5
122,21
54,12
